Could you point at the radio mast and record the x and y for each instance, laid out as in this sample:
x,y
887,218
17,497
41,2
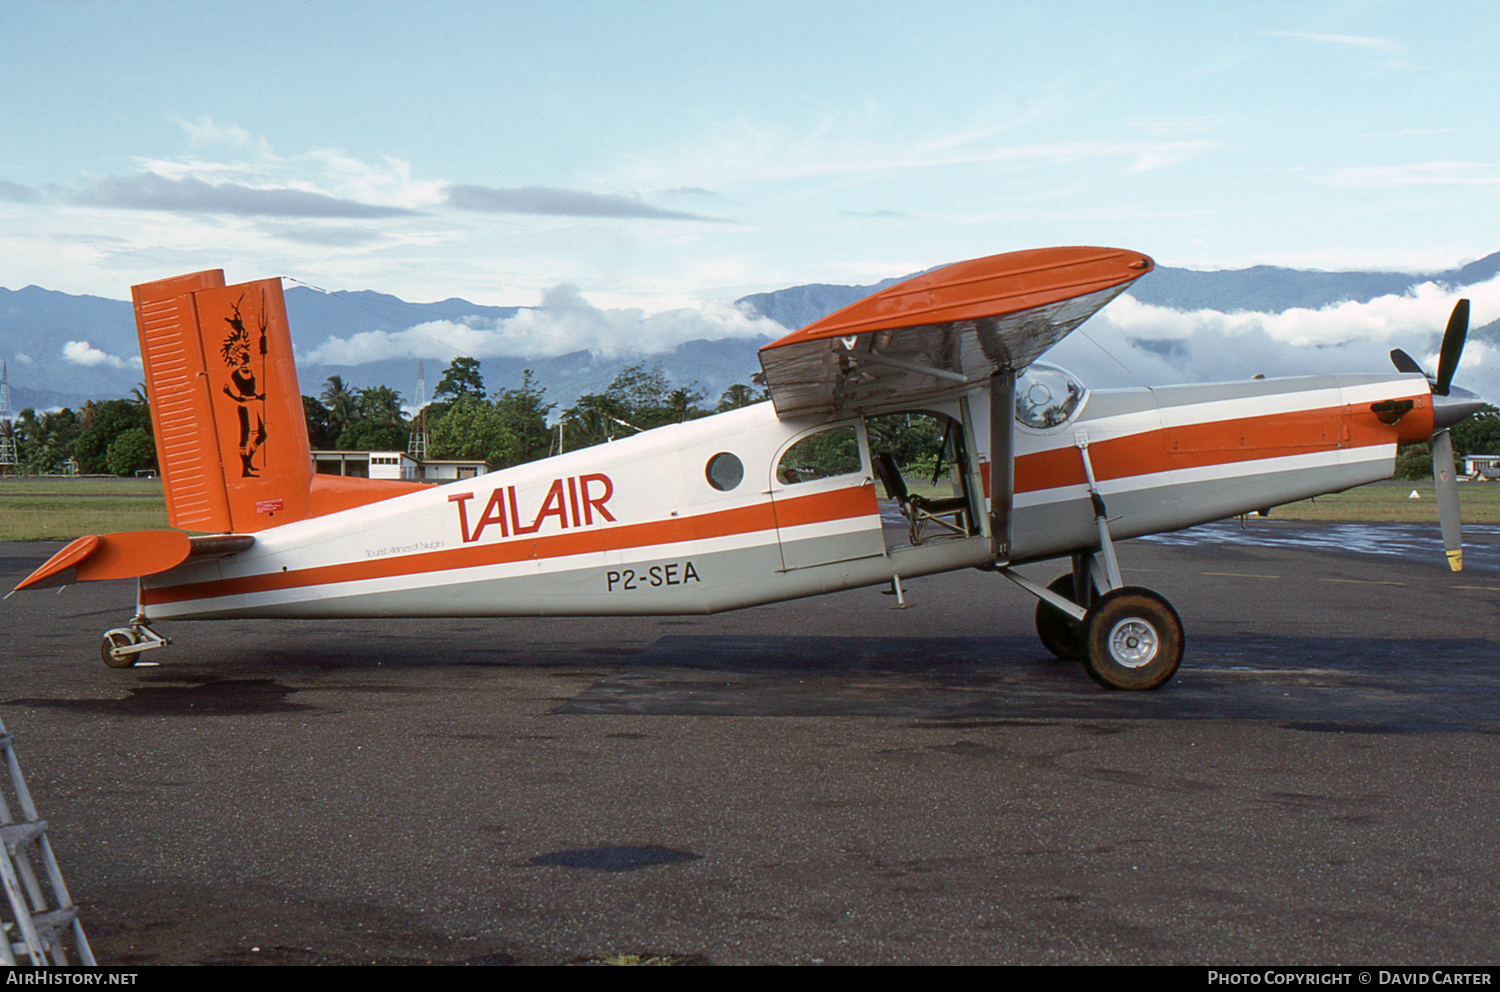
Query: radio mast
x,y
417,446
8,462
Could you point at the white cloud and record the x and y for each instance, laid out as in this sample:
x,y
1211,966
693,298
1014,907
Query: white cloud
x,y
328,172
83,353
1419,313
830,147
1395,52
207,131
564,322
1132,343
1416,174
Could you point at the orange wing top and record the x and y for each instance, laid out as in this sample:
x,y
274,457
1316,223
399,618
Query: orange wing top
x,y
944,329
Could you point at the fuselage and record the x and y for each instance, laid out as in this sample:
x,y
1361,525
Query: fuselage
x,y
737,509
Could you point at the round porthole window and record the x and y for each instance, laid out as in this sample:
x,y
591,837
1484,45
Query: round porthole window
x,y
724,471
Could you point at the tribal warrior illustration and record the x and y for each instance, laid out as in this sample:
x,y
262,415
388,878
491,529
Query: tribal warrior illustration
x,y
242,388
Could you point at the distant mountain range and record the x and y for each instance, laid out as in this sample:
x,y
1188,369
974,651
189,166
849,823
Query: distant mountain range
x,y
35,323
1264,288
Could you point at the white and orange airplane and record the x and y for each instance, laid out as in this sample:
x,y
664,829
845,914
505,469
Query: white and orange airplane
x,y
766,503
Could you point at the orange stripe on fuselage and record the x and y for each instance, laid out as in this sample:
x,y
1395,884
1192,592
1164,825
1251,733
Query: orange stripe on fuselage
x,y
1219,442
837,504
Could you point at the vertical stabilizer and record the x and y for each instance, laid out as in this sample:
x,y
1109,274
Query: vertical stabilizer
x,y
230,432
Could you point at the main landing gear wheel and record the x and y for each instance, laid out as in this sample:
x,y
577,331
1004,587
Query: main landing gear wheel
x,y
118,639
1132,639
1060,633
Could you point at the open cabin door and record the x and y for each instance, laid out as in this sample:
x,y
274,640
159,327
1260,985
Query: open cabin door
x,y
926,465
823,495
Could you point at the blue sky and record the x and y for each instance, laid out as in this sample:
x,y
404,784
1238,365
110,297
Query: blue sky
x,y
663,156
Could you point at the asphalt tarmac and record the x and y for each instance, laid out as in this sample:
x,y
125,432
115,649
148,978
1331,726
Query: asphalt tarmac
x,y
829,781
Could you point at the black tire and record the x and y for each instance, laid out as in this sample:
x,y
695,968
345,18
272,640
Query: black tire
x,y
1133,639
112,640
1060,633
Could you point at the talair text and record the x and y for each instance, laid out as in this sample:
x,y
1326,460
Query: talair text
x,y
574,501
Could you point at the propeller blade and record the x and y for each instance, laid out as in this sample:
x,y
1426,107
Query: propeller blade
x,y
1405,363
1453,346
1447,498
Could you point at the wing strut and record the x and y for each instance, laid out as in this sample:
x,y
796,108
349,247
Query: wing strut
x,y
1002,459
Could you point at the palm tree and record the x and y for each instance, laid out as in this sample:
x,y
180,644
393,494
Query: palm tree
x,y
341,403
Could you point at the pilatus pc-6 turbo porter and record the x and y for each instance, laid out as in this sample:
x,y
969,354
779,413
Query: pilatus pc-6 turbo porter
x,y
765,503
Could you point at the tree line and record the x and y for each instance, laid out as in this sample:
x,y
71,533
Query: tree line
x,y
503,428
1479,435
463,421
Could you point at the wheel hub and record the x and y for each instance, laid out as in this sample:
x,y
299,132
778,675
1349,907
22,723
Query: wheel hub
x,y
1133,642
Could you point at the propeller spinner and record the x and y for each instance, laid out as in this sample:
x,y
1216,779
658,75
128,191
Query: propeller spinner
x,y
1450,405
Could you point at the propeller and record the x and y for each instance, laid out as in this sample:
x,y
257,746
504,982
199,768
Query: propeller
x,y
1453,346
1449,406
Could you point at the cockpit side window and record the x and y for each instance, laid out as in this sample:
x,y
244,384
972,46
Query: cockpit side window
x,y
1047,396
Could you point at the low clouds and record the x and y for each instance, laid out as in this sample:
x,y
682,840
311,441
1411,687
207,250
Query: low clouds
x,y
558,203
149,191
1132,343
1401,320
85,354
565,322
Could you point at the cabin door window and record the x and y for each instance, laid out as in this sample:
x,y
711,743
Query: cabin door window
x,y
823,495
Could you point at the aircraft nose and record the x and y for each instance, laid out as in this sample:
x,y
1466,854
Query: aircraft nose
x,y
1458,405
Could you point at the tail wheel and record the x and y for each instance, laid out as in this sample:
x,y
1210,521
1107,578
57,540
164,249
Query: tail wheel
x,y
1060,633
117,639
1133,639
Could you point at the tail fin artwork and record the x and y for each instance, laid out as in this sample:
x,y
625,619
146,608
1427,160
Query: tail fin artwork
x,y
230,431
231,435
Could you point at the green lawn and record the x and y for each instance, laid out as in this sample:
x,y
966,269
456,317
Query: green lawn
x,y
1391,502
57,508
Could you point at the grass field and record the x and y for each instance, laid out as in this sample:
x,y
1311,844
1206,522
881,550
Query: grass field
x,y
1391,502
56,508
59,508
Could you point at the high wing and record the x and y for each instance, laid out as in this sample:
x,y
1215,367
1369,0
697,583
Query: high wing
x,y
948,328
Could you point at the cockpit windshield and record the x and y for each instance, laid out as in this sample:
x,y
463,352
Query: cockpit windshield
x,y
1047,396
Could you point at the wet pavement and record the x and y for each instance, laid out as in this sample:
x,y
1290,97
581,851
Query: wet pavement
x,y
1413,542
826,781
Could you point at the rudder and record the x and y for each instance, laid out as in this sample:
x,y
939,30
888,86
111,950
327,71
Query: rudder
x,y
231,436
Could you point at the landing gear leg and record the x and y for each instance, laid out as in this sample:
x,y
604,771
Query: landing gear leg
x,y
122,647
1127,637
1061,633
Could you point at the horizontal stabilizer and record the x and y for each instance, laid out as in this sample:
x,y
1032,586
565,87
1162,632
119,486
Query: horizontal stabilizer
x,y
128,555
111,556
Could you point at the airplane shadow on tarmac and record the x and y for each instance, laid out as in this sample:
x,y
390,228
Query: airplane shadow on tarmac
x,y
1343,685
1353,685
